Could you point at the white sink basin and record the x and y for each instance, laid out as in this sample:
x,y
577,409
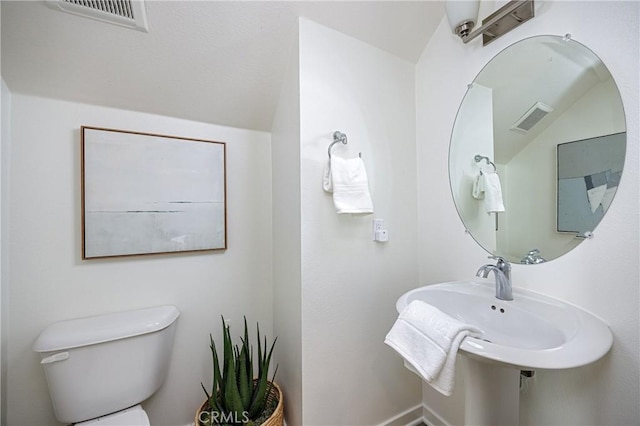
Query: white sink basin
x,y
532,331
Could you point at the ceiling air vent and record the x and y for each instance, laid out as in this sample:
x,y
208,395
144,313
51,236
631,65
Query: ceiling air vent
x,y
531,117
126,13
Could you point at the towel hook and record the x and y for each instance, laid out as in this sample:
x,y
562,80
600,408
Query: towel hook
x,y
479,158
338,136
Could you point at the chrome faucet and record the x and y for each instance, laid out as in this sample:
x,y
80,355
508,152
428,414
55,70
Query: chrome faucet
x,y
502,271
533,257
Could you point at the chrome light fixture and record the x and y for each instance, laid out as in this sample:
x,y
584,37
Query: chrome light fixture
x,y
462,15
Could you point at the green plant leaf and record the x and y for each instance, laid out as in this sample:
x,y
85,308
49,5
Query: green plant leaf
x,y
249,357
234,391
206,393
230,393
214,400
244,388
260,391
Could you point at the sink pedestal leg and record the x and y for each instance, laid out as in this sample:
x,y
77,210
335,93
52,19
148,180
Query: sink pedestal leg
x,y
492,394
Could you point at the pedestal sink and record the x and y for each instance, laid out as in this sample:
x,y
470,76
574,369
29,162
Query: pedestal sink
x,y
530,332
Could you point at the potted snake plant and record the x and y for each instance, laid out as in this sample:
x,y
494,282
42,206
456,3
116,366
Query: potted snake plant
x,y
236,396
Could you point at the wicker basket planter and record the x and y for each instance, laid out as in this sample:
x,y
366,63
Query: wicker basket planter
x,y
276,418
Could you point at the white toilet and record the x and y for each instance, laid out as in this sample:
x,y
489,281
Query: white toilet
x,y
100,368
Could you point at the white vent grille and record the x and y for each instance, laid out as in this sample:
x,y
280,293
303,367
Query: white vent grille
x,y
126,13
115,7
531,117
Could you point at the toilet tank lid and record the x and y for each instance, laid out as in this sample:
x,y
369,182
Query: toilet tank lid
x,y
104,328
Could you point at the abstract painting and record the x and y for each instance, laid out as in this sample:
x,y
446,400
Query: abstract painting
x,y
144,193
589,172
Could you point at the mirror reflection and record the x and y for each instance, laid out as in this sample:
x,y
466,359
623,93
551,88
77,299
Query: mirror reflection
x,y
537,149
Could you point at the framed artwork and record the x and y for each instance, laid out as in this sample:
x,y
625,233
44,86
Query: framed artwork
x,y
144,193
589,171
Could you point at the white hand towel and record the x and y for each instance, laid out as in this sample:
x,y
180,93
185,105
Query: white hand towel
x,y
347,179
326,177
487,186
429,340
476,191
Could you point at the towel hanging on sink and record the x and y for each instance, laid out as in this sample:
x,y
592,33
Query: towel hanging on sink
x,y
429,339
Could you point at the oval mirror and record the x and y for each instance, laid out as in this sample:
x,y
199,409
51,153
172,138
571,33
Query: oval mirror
x,y
537,149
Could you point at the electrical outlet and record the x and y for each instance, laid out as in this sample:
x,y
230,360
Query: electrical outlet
x,y
382,236
378,225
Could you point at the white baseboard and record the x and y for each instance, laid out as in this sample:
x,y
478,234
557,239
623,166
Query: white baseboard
x,y
432,419
410,417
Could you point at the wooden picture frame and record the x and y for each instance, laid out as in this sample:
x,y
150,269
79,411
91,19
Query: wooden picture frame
x,y
144,193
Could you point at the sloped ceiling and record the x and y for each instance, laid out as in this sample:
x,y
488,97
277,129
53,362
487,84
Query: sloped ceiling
x,y
210,61
541,69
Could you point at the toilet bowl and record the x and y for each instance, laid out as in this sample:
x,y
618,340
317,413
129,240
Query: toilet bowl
x,y
134,416
99,369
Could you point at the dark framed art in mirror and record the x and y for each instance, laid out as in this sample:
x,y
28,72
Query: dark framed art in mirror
x,y
588,174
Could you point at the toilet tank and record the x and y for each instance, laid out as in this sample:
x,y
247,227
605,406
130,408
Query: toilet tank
x,y
99,365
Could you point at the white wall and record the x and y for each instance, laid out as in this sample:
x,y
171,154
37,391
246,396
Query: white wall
x,y
350,283
287,267
5,107
49,282
5,121
600,275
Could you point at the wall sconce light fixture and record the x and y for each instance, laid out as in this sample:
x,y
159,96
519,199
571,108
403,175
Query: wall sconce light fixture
x,y
463,14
